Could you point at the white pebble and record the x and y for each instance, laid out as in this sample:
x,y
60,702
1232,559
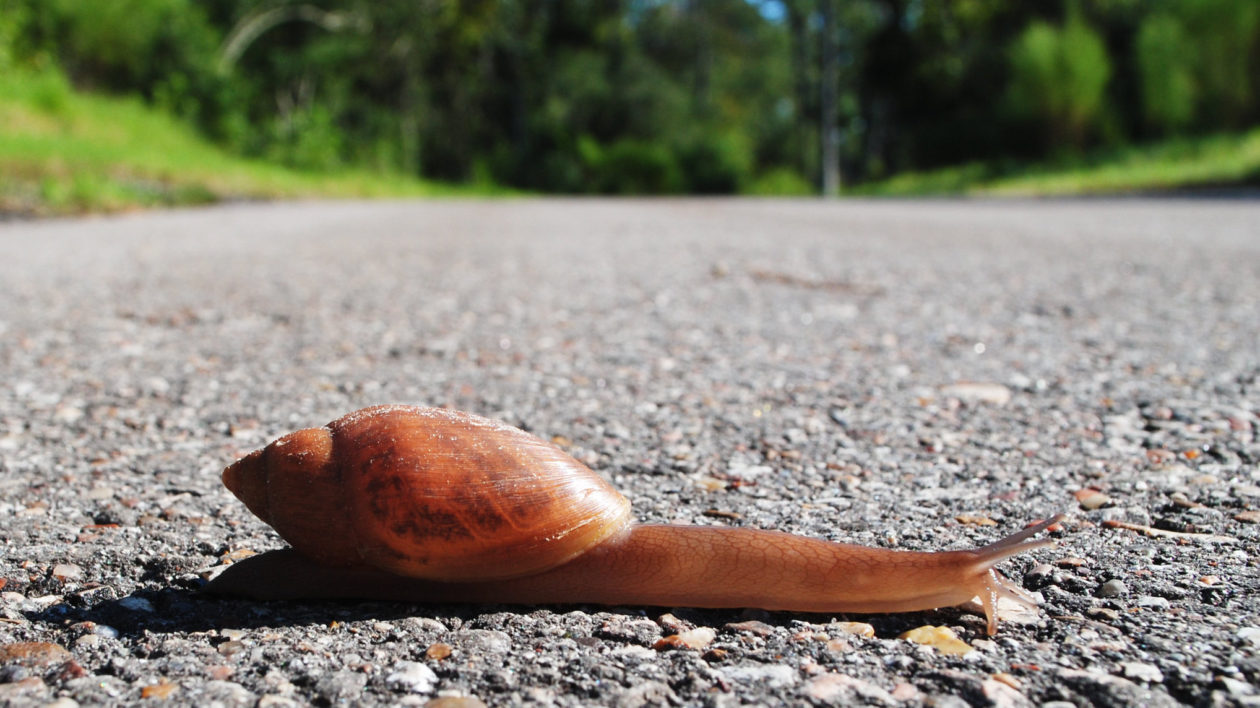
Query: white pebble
x,y
1250,634
412,676
1142,672
136,604
772,675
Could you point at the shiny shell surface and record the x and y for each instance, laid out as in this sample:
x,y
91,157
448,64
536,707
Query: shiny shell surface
x,y
440,494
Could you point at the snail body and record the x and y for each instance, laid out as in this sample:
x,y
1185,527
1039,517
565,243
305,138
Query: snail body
x,y
430,505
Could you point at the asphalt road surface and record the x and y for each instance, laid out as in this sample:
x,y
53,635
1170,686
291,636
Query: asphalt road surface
x,y
918,375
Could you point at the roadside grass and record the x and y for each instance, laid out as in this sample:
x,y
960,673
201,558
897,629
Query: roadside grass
x,y
1181,164
65,152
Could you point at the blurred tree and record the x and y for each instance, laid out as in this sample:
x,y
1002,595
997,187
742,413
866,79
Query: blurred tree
x,y
1166,59
14,19
629,96
829,80
1059,75
804,107
1227,54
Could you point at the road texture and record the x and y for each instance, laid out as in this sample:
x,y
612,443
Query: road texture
x,y
920,375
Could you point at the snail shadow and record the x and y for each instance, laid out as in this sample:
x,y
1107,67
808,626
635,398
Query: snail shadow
x,y
174,610
190,609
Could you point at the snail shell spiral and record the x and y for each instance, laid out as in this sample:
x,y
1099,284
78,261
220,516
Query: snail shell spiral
x,y
428,493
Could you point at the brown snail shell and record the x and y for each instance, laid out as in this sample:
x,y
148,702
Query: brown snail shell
x,y
428,493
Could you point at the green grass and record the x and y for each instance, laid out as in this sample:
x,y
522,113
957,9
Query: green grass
x,y
1173,165
62,151
67,152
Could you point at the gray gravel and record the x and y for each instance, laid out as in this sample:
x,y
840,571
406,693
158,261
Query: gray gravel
x,y
862,371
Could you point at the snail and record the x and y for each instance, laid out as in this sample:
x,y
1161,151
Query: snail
x,y
415,504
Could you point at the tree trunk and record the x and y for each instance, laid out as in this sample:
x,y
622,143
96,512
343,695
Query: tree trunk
x,y
828,131
797,20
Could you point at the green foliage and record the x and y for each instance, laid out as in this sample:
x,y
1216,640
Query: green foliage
x,y
630,166
125,44
1058,78
696,96
92,153
13,19
106,38
1181,163
50,92
716,163
306,138
1227,56
780,182
1166,60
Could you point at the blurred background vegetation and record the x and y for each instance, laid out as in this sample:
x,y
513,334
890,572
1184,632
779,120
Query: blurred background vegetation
x,y
117,102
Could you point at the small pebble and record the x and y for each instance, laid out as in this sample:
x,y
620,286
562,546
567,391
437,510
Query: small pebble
x,y
758,628
978,392
942,639
455,702
1234,687
1103,613
1106,689
643,694
808,635
671,623
975,520
1112,588
860,629
1142,672
66,572
771,675
1091,499
422,624
838,646
1246,490
1000,694
697,638
136,604
1239,422
711,484
715,654
411,676
160,690
87,641
340,687
483,641
1248,517
33,655
1153,601
1007,679
438,651
1040,575
838,688
909,692
219,672
1250,634
627,629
